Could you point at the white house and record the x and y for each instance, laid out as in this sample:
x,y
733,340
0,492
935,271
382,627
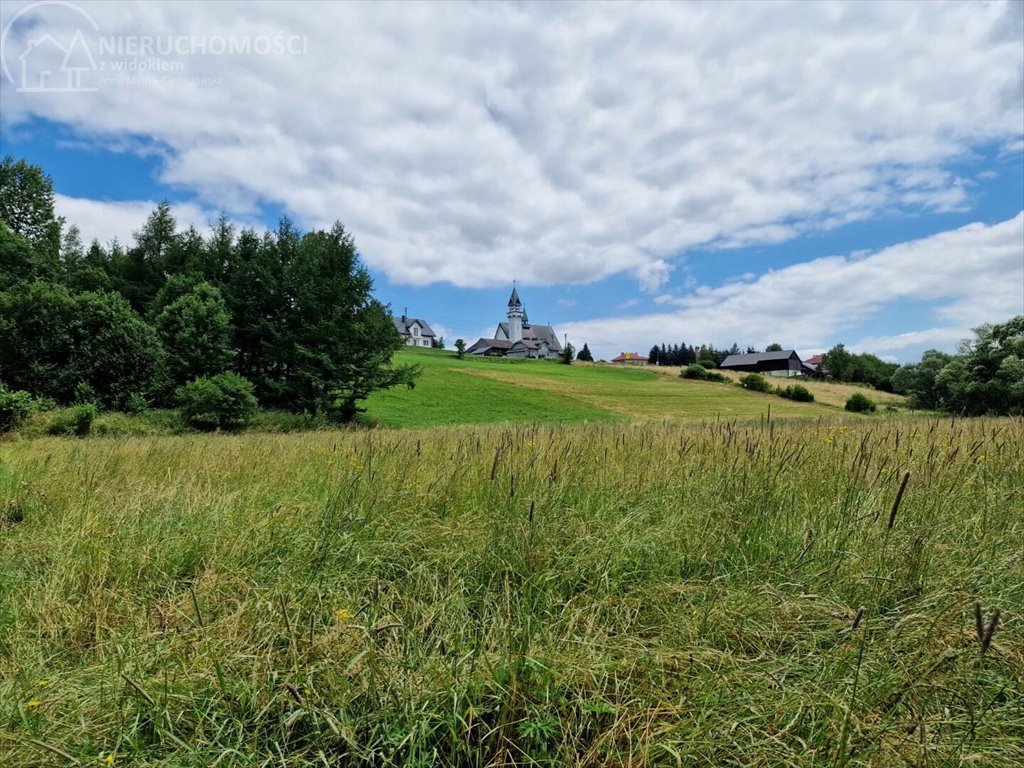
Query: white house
x,y
517,337
416,332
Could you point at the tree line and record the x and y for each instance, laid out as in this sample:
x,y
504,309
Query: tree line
x,y
706,355
291,313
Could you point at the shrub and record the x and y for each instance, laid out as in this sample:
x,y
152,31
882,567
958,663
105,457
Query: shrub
x,y
755,382
137,403
75,421
224,401
15,406
694,371
53,341
796,392
82,417
84,393
859,403
698,371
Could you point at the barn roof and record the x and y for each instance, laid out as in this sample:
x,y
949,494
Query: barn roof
x,y
754,358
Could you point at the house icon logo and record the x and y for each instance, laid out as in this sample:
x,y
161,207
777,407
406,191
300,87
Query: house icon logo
x,y
54,60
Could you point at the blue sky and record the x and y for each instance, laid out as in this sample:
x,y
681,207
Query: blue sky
x,y
806,174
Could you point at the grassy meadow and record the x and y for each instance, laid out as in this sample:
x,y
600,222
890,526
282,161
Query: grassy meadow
x,y
478,390
643,594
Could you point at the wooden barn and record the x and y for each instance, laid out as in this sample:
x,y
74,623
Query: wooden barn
x,y
784,363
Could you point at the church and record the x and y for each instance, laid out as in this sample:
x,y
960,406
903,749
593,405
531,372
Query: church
x,y
517,337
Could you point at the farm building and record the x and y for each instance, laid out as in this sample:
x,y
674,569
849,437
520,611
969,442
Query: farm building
x,y
630,358
416,332
812,366
784,363
517,337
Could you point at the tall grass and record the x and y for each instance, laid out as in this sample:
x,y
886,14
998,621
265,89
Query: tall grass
x,y
725,594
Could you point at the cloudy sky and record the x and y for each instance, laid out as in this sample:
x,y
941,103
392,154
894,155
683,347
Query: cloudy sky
x,y
806,173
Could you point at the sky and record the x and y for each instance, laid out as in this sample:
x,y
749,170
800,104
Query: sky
x,y
800,173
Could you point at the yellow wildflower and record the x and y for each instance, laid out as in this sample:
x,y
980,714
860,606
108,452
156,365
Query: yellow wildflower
x,y
33,703
344,614
109,759
42,683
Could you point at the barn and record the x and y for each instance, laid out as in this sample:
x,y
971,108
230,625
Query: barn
x,y
784,363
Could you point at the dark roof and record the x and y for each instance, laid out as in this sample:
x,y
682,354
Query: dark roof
x,y
543,333
490,344
513,300
537,333
402,325
758,357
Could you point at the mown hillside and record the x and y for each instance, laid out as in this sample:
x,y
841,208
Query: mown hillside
x,y
478,390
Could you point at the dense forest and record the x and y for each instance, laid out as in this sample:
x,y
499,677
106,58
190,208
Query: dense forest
x,y
284,318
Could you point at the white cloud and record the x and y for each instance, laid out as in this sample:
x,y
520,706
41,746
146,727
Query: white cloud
x,y
106,220
574,141
653,275
932,338
974,274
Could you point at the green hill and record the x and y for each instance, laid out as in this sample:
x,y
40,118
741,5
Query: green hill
x,y
478,390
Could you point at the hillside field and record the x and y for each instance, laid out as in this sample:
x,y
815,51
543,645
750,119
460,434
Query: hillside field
x,y
478,390
649,594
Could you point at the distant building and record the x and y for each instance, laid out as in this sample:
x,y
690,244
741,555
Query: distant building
x,y
812,366
518,337
416,332
784,363
630,358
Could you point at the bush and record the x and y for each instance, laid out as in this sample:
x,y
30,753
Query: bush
x,y
859,403
137,403
82,417
796,392
698,371
53,343
15,406
224,401
694,371
76,421
755,382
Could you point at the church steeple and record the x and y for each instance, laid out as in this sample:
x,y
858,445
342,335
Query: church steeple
x,y
515,316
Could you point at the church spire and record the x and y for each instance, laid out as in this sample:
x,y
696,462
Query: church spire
x,y
515,316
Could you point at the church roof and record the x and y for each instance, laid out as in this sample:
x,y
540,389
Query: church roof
x,y
513,300
483,345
